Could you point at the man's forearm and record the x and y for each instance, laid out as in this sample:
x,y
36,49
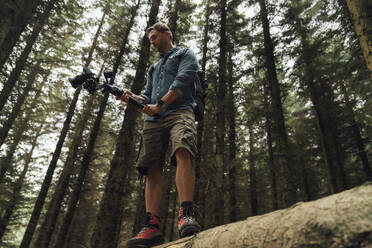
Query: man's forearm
x,y
153,109
127,93
170,97
141,98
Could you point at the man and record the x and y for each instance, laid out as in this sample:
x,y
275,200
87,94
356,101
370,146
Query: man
x,y
169,98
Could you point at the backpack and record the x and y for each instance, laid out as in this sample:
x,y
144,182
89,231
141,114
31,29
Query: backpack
x,y
201,86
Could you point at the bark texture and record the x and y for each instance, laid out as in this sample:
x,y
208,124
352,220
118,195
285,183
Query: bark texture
x,y
340,220
361,13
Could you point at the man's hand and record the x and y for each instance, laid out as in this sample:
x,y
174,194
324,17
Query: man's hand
x,y
151,109
124,96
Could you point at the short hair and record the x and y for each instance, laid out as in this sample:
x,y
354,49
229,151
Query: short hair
x,y
159,26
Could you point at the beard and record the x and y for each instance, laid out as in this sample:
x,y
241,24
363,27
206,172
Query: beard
x,y
162,46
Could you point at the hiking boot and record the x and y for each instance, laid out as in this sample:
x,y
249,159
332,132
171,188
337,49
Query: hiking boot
x,y
187,224
149,235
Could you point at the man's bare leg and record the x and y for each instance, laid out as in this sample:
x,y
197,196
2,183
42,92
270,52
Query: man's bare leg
x,y
185,179
150,233
153,190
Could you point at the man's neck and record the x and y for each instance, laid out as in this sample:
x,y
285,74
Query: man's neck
x,y
166,50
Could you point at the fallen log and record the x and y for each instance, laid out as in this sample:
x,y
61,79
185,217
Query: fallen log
x,y
342,220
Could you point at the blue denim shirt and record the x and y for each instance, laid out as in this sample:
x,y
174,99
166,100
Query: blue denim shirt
x,y
172,72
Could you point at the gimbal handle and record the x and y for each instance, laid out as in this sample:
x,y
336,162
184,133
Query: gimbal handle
x,y
118,92
136,102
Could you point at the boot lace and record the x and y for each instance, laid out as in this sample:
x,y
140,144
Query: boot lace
x,y
146,224
190,212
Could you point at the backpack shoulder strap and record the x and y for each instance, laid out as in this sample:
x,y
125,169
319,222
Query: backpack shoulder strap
x,y
180,53
150,71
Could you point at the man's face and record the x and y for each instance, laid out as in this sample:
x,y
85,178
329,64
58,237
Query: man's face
x,y
159,40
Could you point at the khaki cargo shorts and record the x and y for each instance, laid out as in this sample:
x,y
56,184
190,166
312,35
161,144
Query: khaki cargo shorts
x,y
178,129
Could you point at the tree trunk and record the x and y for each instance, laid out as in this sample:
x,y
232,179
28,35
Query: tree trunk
x,y
173,216
220,120
320,95
252,175
16,15
49,175
83,221
173,20
6,164
286,185
82,173
357,134
332,170
18,186
361,13
50,221
21,61
168,182
269,140
109,218
310,224
4,131
315,98
140,208
199,181
232,144
48,226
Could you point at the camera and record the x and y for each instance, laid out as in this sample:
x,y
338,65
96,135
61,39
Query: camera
x,y
87,79
90,82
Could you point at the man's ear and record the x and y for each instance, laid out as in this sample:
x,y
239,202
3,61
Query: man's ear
x,y
169,34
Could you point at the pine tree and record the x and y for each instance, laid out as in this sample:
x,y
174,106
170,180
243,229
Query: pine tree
x,y
252,174
5,165
14,200
111,210
220,117
49,223
21,61
92,138
52,166
200,180
282,157
15,17
361,14
323,101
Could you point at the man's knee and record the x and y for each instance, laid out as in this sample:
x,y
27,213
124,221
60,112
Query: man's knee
x,y
154,174
183,157
182,153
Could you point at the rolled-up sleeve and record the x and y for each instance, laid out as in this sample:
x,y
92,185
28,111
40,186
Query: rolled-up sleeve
x,y
148,90
186,73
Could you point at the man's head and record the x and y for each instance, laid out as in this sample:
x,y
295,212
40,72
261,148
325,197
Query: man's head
x,y
160,37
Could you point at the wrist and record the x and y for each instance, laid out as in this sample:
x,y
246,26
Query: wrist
x,y
160,104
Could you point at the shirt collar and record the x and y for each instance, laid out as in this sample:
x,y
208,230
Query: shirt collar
x,y
169,52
